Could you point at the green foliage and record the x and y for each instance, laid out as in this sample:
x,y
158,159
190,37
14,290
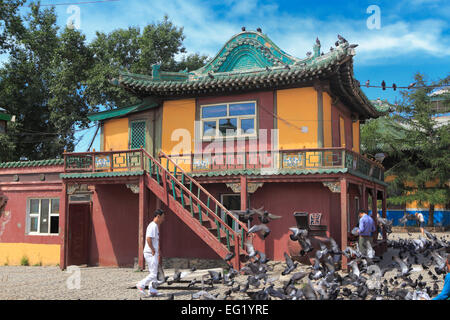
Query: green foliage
x,y
421,151
24,261
10,23
53,78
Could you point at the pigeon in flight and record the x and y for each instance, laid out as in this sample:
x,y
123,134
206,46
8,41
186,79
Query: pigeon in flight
x,y
265,231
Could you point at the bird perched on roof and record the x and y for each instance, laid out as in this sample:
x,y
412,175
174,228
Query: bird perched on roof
x,y
243,28
341,39
259,30
318,41
309,53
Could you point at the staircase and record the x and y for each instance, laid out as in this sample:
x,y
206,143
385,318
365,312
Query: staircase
x,y
197,208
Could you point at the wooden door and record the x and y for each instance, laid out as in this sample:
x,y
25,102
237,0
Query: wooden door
x,y
79,226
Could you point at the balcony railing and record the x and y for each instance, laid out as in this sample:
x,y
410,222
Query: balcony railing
x,y
284,160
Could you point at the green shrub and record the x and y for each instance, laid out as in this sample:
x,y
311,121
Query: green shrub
x,y
24,261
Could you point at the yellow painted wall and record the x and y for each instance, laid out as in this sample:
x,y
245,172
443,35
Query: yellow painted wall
x,y
299,107
116,134
355,136
327,141
45,254
342,131
178,114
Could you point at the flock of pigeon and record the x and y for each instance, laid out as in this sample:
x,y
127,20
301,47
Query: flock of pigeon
x,y
322,281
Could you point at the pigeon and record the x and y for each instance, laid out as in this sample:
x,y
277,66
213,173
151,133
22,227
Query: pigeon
x,y
265,231
204,295
355,270
290,265
341,39
250,249
229,256
403,267
296,233
215,276
265,216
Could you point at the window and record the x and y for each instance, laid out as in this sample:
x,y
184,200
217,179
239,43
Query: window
x,y
43,216
237,119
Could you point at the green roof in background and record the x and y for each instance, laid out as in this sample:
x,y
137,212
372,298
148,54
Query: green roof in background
x,y
33,163
120,112
101,174
4,115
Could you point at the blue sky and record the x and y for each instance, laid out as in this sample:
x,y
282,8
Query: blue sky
x,y
414,35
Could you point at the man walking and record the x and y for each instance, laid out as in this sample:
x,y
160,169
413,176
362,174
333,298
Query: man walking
x,y
421,221
366,227
151,253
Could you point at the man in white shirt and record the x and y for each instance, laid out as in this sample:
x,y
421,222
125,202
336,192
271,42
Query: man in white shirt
x,y
421,221
151,253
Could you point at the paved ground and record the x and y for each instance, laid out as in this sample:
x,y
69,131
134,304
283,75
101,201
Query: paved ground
x,y
50,283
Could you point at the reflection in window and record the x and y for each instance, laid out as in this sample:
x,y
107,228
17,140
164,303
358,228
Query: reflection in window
x,y
248,126
228,127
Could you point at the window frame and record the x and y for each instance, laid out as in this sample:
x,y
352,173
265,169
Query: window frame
x,y
38,215
239,133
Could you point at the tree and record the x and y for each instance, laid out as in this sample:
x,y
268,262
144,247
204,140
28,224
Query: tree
x,y
53,78
42,83
421,151
10,23
134,51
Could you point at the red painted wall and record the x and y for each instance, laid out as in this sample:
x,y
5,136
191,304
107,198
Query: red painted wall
x,y
178,240
284,199
13,229
114,226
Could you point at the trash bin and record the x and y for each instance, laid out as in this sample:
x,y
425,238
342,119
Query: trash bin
x,y
316,233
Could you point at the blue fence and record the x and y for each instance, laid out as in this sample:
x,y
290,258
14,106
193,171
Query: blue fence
x,y
441,217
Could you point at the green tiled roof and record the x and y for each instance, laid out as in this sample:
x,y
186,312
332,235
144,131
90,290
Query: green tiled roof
x,y
382,106
267,172
101,174
251,61
35,163
120,112
5,116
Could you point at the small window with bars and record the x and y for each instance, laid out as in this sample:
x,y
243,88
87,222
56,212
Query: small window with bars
x,y
138,132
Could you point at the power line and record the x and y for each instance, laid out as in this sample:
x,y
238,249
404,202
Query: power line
x,y
73,3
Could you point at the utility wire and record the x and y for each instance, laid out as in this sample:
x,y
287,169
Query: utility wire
x,y
73,3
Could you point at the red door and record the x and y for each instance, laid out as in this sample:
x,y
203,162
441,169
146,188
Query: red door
x,y
79,226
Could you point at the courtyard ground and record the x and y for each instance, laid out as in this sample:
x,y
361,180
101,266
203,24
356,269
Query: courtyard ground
x,y
50,283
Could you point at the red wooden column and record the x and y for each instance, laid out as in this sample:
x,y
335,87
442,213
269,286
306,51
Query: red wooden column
x,y
374,213
63,226
244,193
344,222
143,210
365,206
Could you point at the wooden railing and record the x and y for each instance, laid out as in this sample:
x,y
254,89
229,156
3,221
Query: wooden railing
x,y
291,159
288,159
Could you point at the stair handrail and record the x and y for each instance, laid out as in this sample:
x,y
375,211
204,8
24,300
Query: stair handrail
x,y
243,226
199,201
